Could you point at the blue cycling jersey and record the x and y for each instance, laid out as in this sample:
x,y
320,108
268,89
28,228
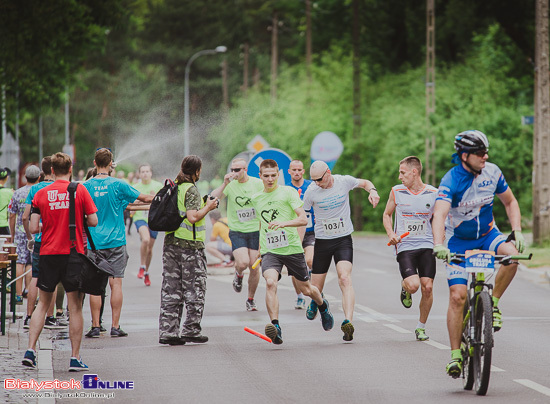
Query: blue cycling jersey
x,y
471,199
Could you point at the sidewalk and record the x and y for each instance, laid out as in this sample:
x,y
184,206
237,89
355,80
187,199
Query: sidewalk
x,y
12,348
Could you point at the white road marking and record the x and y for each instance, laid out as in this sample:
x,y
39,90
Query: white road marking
x,y
398,329
437,344
365,318
535,386
496,369
376,314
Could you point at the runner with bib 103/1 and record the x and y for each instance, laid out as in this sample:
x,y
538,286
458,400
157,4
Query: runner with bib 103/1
x,y
329,198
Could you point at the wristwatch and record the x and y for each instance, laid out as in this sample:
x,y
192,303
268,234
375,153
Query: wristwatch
x,y
372,189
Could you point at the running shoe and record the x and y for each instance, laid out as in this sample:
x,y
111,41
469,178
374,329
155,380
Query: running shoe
x,y
197,339
94,332
141,273
421,334
146,280
406,298
77,365
26,323
102,329
454,368
18,300
118,332
30,358
300,303
238,282
326,318
251,305
52,324
348,329
274,332
497,319
227,264
25,293
312,310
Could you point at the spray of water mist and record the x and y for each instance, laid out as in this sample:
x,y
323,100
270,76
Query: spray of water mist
x,y
153,143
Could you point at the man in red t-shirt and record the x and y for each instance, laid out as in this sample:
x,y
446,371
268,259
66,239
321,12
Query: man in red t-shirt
x,y
51,204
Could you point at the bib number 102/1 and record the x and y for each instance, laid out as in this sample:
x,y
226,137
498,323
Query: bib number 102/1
x,y
246,215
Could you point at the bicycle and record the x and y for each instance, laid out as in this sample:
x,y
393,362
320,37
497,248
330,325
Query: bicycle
x,y
477,325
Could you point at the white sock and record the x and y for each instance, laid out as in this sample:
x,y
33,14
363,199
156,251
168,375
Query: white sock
x,y
421,325
300,295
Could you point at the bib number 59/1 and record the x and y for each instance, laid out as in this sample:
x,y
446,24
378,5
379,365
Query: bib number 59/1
x,y
276,239
416,227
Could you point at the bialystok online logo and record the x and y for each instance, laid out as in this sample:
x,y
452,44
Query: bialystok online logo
x,y
88,382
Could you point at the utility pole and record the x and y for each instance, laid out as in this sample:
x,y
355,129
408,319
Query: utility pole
x,y
430,91
358,195
541,140
308,39
274,56
246,50
224,86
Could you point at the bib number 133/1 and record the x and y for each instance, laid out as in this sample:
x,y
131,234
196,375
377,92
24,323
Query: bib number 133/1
x,y
276,239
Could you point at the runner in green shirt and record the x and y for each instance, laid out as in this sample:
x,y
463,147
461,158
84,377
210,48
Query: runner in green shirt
x,y
147,186
243,225
5,198
280,212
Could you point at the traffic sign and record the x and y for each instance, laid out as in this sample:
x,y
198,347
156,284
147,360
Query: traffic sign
x,y
257,144
283,161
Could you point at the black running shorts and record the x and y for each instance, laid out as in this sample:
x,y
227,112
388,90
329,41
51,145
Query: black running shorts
x,y
417,262
340,248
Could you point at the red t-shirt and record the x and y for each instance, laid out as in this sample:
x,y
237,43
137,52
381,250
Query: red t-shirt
x,y
53,203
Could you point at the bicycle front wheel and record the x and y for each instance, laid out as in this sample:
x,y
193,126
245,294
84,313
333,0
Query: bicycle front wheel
x,y
467,351
483,342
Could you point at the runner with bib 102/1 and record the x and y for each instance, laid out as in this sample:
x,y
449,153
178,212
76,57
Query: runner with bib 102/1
x,y
243,224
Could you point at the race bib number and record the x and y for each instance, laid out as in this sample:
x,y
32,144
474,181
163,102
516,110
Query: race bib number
x,y
246,215
276,239
333,227
480,261
309,220
416,227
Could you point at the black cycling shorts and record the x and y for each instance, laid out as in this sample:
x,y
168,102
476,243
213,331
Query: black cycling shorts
x,y
419,262
340,248
295,265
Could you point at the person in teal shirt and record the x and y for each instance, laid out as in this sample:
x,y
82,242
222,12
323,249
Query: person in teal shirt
x,y
280,212
111,197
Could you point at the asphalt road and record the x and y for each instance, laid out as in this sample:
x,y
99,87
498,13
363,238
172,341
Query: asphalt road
x,y
383,364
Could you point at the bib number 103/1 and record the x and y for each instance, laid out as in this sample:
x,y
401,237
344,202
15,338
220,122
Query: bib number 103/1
x,y
334,226
276,239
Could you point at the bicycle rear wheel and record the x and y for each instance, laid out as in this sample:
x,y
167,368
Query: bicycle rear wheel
x,y
483,343
467,360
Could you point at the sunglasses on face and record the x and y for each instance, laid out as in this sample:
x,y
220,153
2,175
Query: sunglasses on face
x,y
320,179
236,170
481,153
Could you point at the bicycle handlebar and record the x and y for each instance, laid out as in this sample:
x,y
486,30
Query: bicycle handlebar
x,y
501,257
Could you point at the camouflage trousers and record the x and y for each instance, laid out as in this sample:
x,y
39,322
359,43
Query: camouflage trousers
x,y
183,282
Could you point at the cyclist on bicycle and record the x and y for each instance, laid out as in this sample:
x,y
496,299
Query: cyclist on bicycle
x,y
464,207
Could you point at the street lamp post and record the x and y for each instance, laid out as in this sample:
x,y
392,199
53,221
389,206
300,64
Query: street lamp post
x,y
218,49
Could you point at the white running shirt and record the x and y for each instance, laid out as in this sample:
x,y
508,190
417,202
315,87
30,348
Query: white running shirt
x,y
413,213
331,206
